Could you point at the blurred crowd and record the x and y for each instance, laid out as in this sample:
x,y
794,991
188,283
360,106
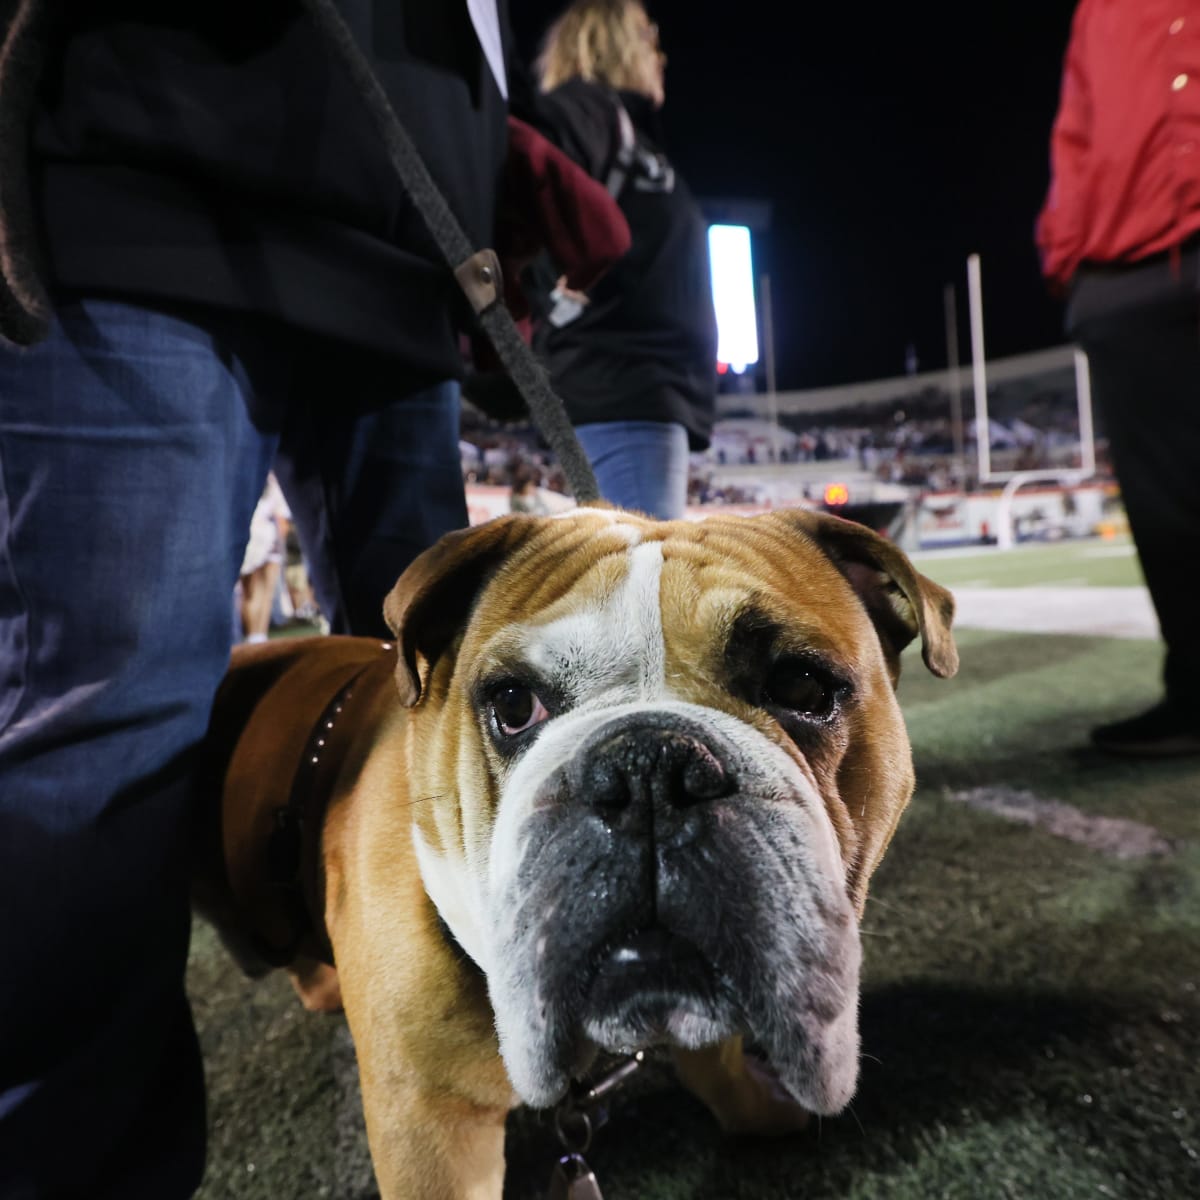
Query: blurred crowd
x,y
912,446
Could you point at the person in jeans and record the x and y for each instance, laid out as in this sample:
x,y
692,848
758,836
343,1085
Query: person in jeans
x,y
262,565
207,267
1119,237
635,364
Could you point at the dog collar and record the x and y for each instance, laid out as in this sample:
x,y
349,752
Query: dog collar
x,y
294,848
277,874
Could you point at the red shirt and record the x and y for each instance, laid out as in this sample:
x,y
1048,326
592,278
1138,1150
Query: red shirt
x,y
1125,150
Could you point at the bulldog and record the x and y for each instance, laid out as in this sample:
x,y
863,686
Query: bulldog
x,y
617,783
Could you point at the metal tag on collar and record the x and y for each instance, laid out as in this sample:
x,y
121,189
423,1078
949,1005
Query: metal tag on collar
x,y
575,1120
573,1179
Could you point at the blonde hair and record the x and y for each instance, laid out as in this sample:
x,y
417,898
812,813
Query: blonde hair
x,y
602,41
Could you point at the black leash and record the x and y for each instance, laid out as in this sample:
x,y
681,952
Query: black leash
x,y
477,272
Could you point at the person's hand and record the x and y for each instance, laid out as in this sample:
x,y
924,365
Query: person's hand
x,y
568,293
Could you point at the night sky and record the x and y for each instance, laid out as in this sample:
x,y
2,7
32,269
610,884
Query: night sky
x,y
892,141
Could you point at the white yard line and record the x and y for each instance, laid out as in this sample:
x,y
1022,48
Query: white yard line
x,y
1112,836
1124,612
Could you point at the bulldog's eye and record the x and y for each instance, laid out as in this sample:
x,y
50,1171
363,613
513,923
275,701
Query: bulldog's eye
x,y
516,708
798,688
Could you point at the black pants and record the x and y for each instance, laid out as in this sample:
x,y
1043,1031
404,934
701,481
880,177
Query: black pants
x,y
1140,328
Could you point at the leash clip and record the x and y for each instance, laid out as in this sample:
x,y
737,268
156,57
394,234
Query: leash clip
x,y
576,1119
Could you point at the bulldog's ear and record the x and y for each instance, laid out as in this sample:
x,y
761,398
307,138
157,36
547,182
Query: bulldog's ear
x,y
432,599
900,601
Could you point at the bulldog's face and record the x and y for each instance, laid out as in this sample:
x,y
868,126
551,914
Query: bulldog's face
x,y
660,761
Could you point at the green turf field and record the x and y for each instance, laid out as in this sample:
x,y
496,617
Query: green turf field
x,y
1031,1005
1090,562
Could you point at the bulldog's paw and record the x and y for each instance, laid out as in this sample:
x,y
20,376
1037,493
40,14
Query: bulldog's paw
x,y
740,1090
316,984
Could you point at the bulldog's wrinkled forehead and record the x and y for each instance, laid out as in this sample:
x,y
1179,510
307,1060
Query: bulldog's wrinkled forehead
x,y
608,600
613,637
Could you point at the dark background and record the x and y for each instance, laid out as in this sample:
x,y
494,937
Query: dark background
x,y
891,141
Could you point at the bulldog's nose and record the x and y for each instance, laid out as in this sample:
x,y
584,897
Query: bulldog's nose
x,y
641,778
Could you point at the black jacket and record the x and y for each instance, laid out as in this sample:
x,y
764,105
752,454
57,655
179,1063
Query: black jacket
x,y
214,151
645,348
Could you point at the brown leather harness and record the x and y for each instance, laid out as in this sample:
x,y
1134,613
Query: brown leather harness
x,y
303,711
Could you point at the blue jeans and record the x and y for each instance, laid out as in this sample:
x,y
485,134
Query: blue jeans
x,y
641,465
133,447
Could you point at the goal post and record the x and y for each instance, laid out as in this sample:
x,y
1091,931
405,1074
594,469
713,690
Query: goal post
x,y
983,423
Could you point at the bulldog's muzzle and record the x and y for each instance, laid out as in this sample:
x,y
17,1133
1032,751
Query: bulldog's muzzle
x,y
678,884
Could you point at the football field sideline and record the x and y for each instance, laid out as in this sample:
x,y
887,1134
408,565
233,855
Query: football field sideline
x,y
1091,587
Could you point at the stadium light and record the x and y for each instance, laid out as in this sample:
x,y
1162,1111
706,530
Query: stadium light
x,y
732,273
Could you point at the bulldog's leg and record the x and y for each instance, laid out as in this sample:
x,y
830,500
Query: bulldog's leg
x,y
435,1104
435,1093
430,1143
739,1090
